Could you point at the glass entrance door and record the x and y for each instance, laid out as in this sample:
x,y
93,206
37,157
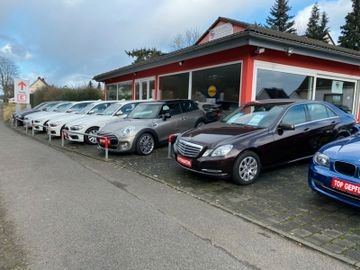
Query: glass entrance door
x,y
144,89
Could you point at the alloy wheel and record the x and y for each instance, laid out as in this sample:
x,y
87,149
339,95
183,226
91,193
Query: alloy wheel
x,y
248,168
146,144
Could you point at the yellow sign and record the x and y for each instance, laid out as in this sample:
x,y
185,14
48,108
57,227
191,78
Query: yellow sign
x,y
212,91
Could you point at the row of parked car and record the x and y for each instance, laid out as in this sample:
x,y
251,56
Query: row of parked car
x,y
257,135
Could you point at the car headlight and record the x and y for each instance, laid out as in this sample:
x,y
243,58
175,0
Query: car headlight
x,y
125,132
55,124
77,127
221,151
207,152
321,159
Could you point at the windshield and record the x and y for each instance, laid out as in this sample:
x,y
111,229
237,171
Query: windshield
x,y
62,107
78,107
111,109
146,111
86,109
40,106
49,107
259,115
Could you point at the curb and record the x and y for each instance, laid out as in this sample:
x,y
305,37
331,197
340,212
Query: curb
x,y
262,225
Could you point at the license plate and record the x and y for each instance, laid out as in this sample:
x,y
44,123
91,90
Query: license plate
x,y
184,161
345,186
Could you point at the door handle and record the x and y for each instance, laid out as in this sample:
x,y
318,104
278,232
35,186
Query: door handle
x,y
307,129
333,122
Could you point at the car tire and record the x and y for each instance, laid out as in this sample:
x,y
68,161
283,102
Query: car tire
x,y
199,123
89,139
62,130
247,168
145,144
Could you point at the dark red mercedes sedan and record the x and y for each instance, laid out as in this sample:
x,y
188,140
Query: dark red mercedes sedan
x,y
261,134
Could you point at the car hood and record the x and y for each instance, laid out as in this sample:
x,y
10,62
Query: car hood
x,y
126,122
39,115
66,117
55,116
347,149
93,120
217,133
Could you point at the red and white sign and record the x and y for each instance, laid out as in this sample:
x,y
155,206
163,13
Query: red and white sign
x,y
184,161
21,91
345,186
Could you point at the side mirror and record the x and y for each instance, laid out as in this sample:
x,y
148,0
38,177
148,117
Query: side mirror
x,y
285,126
166,116
119,113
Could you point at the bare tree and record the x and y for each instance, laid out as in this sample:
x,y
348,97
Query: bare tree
x,y
186,39
8,71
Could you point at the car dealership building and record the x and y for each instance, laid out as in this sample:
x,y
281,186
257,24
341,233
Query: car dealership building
x,y
239,62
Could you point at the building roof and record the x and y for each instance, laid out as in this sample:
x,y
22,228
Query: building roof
x,y
222,19
39,79
253,35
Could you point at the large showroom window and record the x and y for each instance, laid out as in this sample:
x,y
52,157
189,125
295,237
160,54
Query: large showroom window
x,y
144,89
276,84
338,92
174,86
124,90
216,84
112,92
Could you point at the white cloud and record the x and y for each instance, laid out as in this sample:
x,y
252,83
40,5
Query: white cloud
x,y
336,10
15,52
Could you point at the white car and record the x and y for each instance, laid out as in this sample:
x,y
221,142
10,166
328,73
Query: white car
x,y
91,125
54,110
57,124
40,123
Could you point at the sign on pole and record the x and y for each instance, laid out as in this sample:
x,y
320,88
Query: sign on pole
x,y
21,91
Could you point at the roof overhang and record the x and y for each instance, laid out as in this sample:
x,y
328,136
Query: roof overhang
x,y
252,37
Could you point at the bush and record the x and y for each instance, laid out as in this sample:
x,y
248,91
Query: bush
x,y
66,94
9,109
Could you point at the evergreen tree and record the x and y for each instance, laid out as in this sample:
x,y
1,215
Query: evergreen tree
x,y
350,32
279,19
90,85
324,28
143,54
312,30
98,86
317,27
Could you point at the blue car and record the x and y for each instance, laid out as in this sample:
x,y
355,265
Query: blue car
x,y
335,170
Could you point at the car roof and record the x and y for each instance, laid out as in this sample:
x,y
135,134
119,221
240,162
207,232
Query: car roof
x,y
285,101
166,101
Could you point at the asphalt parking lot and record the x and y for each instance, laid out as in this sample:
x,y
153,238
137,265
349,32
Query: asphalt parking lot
x,y
280,200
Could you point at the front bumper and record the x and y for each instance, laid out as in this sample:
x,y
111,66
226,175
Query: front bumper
x,y
40,126
74,137
213,166
320,181
117,145
55,131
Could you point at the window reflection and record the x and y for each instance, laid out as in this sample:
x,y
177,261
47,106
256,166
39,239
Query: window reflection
x,y
174,86
217,84
275,84
340,93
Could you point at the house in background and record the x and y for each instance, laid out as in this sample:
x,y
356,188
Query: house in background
x,y
37,85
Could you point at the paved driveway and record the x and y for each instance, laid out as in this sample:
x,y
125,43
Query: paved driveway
x,y
279,200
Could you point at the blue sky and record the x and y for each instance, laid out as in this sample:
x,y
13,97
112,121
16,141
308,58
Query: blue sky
x,y
69,41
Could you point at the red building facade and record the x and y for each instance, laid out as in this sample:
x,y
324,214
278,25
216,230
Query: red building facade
x,y
237,62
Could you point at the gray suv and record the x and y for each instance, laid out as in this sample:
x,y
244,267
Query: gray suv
x,y
150,124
